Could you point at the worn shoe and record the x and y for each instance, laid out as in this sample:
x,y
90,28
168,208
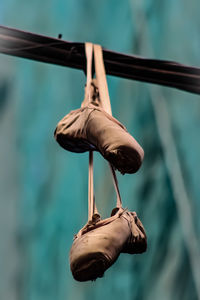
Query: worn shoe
x,y
97,245
91,128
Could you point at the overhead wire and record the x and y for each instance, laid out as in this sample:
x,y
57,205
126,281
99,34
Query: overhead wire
x,y
51,50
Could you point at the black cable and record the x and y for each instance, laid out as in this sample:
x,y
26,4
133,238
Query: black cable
x,y
51,50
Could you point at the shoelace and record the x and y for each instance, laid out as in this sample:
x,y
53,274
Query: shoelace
x,y
104,100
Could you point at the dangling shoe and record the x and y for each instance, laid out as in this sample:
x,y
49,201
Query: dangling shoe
x,y
91,128
98,245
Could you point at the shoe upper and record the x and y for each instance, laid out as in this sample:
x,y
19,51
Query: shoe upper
x,y
99,243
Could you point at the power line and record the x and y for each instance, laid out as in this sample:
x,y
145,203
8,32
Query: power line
x,y
56,51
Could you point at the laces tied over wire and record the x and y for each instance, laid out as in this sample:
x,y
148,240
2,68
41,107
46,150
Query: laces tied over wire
x,y
104,102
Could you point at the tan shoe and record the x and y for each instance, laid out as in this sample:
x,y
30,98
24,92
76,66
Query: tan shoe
x,y
91,128
98,245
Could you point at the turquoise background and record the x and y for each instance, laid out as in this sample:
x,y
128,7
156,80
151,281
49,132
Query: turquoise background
x,y
43,188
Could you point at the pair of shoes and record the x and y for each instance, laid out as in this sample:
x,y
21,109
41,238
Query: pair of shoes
x,y
90,128
99,243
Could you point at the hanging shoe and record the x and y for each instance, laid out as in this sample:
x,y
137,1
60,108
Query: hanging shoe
x,y
98,245
91,128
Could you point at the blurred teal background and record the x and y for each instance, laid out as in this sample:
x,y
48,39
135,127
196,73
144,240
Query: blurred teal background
x,y
43,188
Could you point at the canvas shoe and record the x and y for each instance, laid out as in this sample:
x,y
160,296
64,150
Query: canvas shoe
x,y
97,245
91,128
